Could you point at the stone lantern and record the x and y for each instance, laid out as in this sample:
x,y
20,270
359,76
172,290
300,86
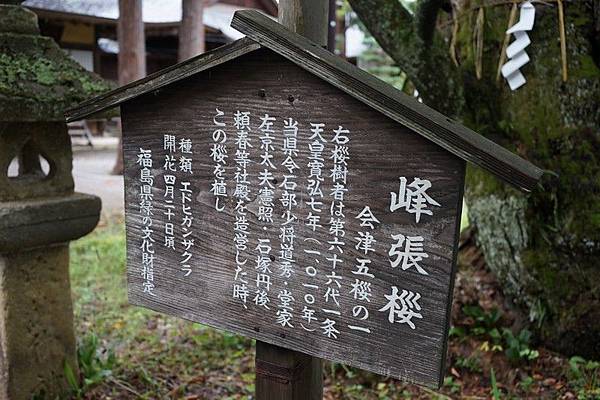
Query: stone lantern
x,y
39,211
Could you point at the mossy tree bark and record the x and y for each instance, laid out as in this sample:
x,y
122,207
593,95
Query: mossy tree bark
x,y
544,248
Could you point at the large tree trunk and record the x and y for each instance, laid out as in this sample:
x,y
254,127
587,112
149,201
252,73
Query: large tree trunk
x,y
132,52
544,248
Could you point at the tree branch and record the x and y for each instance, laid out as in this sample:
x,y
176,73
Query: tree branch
x,y
596,7
390,24
414,45
426,17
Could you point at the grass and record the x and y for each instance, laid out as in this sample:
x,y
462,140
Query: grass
x,y
464,218
156,356
127,352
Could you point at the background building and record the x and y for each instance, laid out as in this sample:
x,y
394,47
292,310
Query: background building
x,y
87,29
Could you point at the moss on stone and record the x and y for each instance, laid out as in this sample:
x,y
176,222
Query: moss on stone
x,y
38,81
17,20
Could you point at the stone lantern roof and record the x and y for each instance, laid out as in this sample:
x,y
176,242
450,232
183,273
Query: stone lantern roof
x,y
38,81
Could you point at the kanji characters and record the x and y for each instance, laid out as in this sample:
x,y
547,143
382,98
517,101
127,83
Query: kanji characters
x,y
361,290
329,329
408,252
365,242
366,217
402,308
146,209
284,313
413,198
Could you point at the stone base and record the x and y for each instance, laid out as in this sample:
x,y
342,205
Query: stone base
x,y
36,323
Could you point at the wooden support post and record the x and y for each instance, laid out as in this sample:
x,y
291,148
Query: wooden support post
x,y
332,26
283,374
307,17
191,31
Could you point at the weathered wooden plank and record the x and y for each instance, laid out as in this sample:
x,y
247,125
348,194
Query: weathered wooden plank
x,y
436,127
162,78
283,374
380,151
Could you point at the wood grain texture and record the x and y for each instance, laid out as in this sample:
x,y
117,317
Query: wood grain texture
x,y
308,18
191,30
404,109
283,374
130,32
381,151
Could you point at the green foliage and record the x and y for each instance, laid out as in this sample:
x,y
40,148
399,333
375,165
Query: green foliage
x,y
98,280
585,375
495,389
72,379
471,363
484,321
458,332
517,346
95,365
452,385
526,383
155,354
228,345
158,356
376,62
485,324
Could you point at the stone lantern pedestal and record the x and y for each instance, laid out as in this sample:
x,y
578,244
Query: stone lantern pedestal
x,y
39,211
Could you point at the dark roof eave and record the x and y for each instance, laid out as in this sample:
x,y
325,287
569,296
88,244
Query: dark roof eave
x,y
93,19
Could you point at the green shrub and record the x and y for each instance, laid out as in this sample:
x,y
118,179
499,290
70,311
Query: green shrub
x,y
95,365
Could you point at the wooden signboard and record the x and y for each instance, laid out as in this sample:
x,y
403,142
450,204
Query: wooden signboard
x,y
276,191
264,201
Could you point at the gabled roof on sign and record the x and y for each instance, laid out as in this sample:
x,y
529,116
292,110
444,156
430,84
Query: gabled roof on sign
x,y
262,31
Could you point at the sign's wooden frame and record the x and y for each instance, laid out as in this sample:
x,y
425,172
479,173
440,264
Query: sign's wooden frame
x,y
264,34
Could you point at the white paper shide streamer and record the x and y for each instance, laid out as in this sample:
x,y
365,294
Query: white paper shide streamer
x,y
517,57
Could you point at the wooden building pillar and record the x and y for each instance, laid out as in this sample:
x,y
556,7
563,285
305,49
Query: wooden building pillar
x,y
132,44
283,374
132,53
191,31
